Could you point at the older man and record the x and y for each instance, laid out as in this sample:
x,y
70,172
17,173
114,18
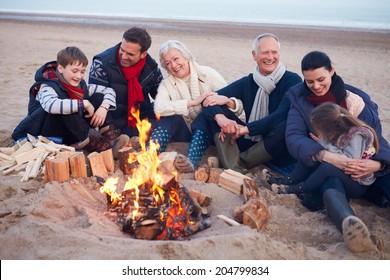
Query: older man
x,y
132,73
262,138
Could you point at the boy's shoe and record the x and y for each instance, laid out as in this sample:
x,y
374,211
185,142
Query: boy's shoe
x,y
92,144
110,134
114,138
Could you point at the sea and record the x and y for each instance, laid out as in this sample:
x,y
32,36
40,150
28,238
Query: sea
x,y
359,14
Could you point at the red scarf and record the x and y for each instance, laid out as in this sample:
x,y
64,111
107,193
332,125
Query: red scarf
x,y
328,97
134,88
73,92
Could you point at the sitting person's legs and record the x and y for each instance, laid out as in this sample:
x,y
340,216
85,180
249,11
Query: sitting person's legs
x,y
170,129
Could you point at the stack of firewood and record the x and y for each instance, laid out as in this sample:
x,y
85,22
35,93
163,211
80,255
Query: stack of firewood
x,y
27,156
254,213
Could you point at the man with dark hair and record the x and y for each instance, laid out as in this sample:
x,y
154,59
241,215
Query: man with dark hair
x,y
133,74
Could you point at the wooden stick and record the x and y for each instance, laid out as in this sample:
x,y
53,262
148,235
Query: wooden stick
x,y
29,167
37,166
229,221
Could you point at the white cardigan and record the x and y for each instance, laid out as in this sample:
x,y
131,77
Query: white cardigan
x,y
171,99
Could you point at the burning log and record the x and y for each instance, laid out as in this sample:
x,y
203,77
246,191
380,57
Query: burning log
x,y
167,162
123,156
175,218
151,205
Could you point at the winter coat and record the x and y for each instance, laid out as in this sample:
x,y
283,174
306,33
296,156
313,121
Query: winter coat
x,y
106,71
245,89
36,115
302,147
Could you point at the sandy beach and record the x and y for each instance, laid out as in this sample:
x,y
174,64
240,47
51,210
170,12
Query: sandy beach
x,y
66,221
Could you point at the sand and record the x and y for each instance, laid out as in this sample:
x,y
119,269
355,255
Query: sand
x,y
66,221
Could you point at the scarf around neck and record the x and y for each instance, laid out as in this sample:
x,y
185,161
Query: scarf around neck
x,y
266,85
190,90
134,88
336,94
73,92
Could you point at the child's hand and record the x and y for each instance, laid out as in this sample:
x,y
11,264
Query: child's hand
x,y
89,108
99,117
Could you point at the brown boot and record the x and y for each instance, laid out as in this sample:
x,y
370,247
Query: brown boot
x,y
114,138
109,134
92,144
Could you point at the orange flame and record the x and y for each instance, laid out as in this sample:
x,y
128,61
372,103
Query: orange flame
x,y
147,171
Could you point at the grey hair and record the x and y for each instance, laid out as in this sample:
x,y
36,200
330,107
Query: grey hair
x,y
256,41
174,44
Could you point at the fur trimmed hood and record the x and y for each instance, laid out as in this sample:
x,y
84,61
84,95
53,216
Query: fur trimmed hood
x,y
344,139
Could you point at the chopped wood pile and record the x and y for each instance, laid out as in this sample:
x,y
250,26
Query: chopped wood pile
x,y
28,156
254,213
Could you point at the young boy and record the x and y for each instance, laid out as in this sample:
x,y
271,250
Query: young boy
x,y
62,105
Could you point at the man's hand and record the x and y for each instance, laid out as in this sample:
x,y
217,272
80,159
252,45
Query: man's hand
x,y
227,125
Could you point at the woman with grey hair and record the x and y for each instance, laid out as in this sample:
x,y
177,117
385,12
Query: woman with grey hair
x,y
179,102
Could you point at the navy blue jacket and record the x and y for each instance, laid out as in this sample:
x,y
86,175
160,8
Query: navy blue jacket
x,y
302,147
106,71
246,88
36,115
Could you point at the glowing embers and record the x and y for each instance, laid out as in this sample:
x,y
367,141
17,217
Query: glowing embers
x,y
152,205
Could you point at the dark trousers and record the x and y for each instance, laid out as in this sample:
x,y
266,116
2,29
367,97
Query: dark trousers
x,y
274,139
325,170
178,129
74,127
377,193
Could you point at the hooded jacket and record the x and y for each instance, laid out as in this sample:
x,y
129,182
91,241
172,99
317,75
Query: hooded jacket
x,y
302,147
33,122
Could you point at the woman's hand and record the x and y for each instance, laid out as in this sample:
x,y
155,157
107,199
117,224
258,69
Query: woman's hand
x,y
354,167
200,99
361,167
338,160
216,99
314,137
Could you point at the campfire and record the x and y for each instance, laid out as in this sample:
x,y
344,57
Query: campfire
x,y
152,204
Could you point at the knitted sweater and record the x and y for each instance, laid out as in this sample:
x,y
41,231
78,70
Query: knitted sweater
x,y
245,89
173,94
